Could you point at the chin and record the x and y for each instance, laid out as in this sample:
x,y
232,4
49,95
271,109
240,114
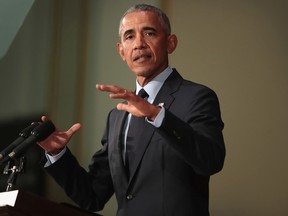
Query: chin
x,y
143,73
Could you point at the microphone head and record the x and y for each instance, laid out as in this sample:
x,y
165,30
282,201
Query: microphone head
x,y
42,131
27,131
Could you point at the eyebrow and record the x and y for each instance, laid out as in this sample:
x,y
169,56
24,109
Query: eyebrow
x,y
129,31
149,28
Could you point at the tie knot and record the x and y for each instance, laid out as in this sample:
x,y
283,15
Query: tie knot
x,y
142,93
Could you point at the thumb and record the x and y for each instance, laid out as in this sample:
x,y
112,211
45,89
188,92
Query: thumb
x,y
73,129
122,106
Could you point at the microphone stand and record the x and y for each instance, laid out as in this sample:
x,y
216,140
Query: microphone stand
x,y
14,170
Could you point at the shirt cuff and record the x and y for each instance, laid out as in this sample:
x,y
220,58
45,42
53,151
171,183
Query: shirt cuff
x,y
53,158
159,118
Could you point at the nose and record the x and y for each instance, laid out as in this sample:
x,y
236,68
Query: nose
x,y
140,42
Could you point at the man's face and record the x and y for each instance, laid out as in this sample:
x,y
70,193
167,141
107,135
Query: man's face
x,y
144,45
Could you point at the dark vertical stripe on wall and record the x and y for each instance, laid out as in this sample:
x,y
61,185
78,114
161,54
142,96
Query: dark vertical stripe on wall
x,y
82,69
55,58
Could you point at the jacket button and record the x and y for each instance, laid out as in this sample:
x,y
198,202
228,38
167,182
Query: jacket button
x,y
129,197
176,134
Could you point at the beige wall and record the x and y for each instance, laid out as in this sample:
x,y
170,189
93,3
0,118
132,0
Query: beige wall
x,y
238,48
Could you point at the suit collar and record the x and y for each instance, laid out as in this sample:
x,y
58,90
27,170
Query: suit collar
x,y
171,85
153,87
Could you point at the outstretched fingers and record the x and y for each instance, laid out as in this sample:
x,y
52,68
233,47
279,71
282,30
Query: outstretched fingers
x,y
136,105
54,143
116,92
73,129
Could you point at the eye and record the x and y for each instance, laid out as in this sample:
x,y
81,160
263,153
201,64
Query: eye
x,y
150,33
129,36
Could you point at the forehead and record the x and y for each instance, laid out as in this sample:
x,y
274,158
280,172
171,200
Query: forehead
x,y
140,19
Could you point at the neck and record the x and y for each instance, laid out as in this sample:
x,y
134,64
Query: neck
x,y
143,80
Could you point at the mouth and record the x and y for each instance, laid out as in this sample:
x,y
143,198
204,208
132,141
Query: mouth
x,y
141,58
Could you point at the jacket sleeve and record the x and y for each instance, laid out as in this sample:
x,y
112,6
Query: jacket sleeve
x,y
89,189
195,132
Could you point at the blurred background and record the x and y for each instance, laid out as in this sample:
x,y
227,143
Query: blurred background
x,y
52,53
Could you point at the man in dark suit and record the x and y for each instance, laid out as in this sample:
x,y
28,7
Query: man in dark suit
x,y
165,168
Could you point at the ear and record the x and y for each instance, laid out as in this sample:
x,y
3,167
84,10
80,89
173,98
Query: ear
x,y
172,43
121,51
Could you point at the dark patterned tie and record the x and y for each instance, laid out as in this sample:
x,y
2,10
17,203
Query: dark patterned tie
x,y
135,129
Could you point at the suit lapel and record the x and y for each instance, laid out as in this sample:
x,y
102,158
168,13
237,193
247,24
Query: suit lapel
x,y
116,147
143,141
171,85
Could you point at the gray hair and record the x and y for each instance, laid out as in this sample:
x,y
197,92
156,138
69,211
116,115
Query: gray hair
x,y
164,20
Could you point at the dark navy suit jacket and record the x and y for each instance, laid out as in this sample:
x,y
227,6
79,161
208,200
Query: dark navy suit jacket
x,y
173,164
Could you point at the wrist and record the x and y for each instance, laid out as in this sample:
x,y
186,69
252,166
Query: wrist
x,y
155,111
55,152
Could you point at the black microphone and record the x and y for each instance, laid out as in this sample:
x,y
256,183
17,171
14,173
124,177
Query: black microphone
x,y
39,133
22,136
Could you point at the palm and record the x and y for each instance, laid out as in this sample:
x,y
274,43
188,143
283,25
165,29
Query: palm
x,y
58,139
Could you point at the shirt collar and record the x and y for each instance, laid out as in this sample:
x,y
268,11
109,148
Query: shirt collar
x,y
153,87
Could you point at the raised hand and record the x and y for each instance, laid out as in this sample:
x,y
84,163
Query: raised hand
x,y
54,143
136,105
